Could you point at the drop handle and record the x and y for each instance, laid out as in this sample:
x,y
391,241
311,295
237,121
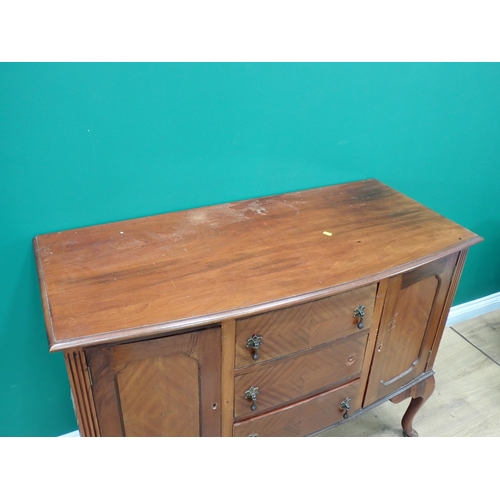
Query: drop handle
x,y
359,313
252,394
346,405
254,343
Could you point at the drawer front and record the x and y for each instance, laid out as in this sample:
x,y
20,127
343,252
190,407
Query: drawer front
x,y
293,329
304,418
298,376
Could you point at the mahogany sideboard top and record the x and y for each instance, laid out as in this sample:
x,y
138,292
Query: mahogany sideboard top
x,y
145,277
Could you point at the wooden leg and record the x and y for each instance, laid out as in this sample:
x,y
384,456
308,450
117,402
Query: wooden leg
x,y
419,393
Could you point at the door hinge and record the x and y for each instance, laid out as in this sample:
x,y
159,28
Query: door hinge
x,y
90,376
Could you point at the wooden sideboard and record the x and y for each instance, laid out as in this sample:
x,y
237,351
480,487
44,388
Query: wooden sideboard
x,y
278,316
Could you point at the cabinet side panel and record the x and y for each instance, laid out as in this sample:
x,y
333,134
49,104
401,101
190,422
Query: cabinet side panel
x,y
76,366
457,273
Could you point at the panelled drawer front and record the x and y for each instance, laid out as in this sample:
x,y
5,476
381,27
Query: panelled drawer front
x,y
293,329
303,418
301,375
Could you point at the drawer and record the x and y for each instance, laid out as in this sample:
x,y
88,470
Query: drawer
x,y
293,329
298,376
304,418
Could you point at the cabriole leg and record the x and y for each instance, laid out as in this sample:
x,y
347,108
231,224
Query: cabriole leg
x,y
419,393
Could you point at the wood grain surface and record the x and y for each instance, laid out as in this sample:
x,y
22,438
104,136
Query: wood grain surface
x,y
303,418
409,325
162,387
144,277
293,329
81,391
301,375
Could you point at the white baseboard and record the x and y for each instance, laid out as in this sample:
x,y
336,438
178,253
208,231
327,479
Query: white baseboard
x,y
457,314
473,309
73,434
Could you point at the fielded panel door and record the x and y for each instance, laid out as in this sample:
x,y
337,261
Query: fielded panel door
x,y
161,387
410,321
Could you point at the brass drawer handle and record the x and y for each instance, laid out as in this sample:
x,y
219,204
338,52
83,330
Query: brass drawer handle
x,y
254,343
252,394
346,405
359,313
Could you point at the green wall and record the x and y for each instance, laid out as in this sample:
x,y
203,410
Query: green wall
x,y
83,144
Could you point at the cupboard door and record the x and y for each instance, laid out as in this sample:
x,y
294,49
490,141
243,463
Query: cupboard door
x,y
160,387
415,302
